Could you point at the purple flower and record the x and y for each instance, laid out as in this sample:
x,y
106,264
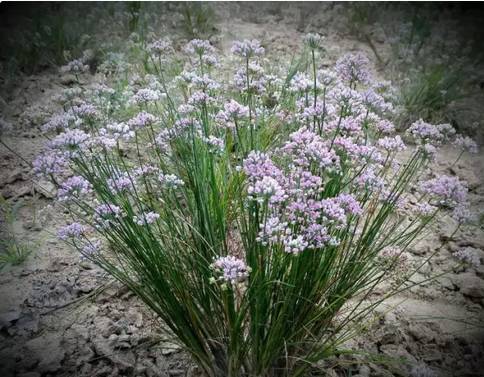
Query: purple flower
x,y
350,204
105,142
257,79
311,111
305,147
192,79
327,77
75,66
347,146
354,67
302,211
120,182
370,179
145,170
424,209
333,212
200,98
85,110
116,131
469,255
170,180
146,218
215,144
303,182
144,96
370,154
316,236
267,188
233,270
74,230
392,144
50,163
161,47
446,130
300,83
141,120
235,110
341,94
426,133
313,40
199,47
271,230
101,90
163,139
74,187
90,249
59,122
466,144
375,101
108,210
210,60
295,244
428,150
385,126
462,213
104,214
351,126
247,48
258,165
446,189
70,142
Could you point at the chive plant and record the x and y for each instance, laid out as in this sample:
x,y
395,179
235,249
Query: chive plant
x,y
256,230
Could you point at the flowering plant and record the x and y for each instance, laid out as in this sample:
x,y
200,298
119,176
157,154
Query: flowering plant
x,y
252,216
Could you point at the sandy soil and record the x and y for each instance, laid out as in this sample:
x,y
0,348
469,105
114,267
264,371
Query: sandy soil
x,y
60,316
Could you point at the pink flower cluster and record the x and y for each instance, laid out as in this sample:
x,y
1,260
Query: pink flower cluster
x,y
466,144
170,180
70,143
106,214
74,188
50,163
447,190
75,66
429,136
141,120
233,270
120,182
335,150
354,68
296,218
468,255
161,47
247,48
146,218
74,230
204,51
145,96
392,144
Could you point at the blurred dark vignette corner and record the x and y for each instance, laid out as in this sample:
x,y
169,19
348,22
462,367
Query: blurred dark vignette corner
x,y
21,56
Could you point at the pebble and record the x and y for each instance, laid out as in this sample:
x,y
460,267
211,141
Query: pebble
x,y
67,79
469,285
364,371
9,317
47,349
